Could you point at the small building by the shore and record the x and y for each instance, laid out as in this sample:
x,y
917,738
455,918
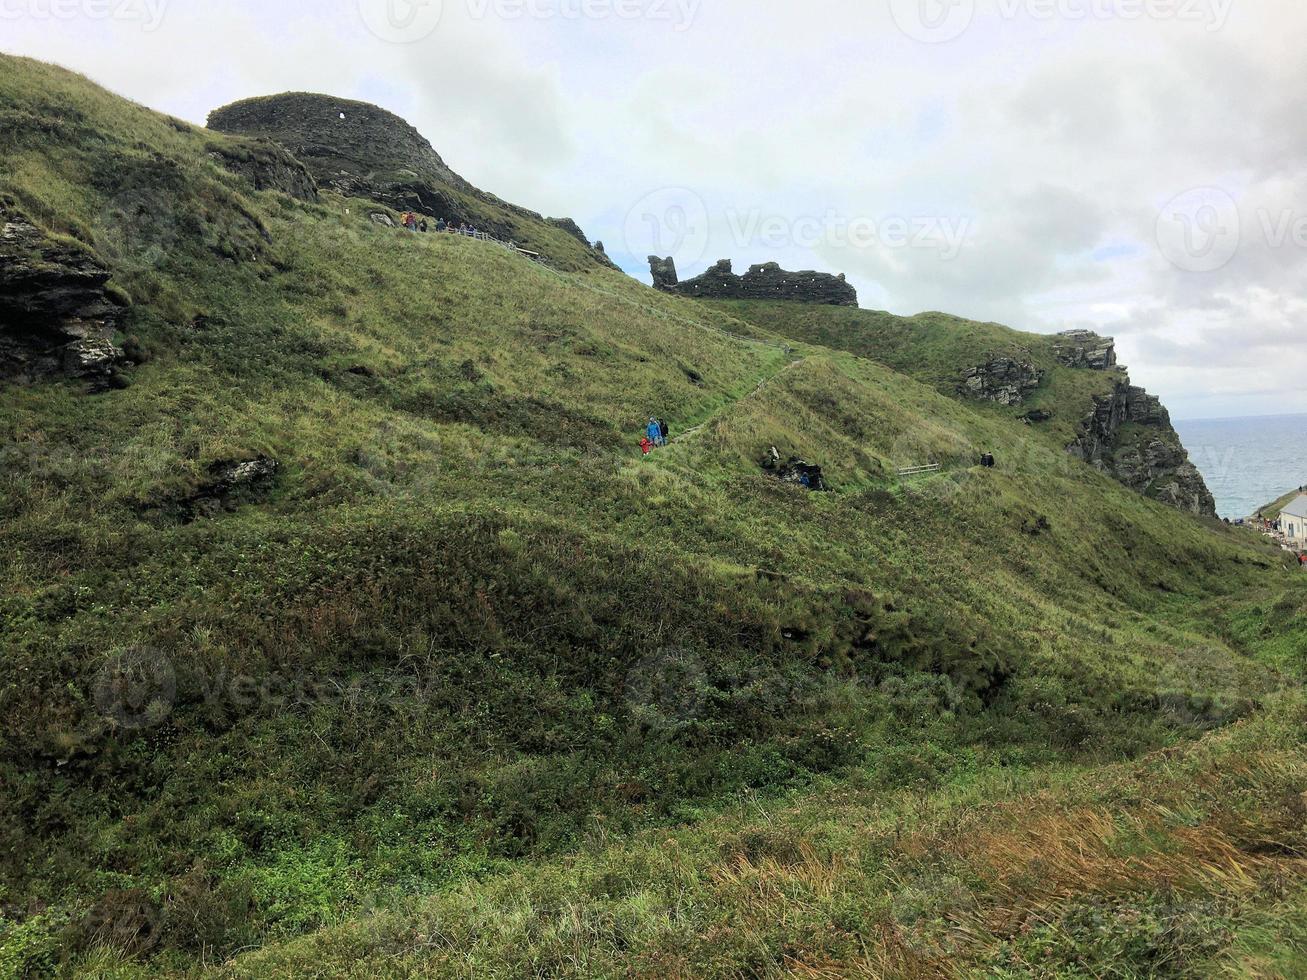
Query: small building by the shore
x,y
1293,521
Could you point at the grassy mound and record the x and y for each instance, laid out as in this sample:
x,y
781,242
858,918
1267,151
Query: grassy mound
x,y
462,629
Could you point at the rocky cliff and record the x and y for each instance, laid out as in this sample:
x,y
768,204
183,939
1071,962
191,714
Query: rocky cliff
x,y
1002,379
361,150
1129,435
57,315
762,282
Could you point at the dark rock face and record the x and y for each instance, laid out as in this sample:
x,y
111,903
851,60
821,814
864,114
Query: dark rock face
x,y
664,273
1085,349
1005,380
762,282
1129,436
269,168
572,228
338,138
56,317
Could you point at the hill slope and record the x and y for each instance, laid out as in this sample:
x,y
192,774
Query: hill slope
x,y
361,150
350,584
1070,386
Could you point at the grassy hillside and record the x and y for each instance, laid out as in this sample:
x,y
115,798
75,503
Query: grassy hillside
x,y
936,349
473,684
350,146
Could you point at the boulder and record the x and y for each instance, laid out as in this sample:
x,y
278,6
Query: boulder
x,y
231,483
57,317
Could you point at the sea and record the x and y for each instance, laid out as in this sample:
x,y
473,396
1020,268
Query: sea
x,y
1248,462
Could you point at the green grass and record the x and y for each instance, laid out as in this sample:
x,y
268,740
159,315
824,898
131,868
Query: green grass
x,y
473,661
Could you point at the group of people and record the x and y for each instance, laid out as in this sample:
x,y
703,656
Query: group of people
x,y
415,222
655,436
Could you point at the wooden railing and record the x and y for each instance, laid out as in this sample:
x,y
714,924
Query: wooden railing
x,y
920,470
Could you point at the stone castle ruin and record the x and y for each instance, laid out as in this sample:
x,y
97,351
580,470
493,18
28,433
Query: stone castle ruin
x,y
764,282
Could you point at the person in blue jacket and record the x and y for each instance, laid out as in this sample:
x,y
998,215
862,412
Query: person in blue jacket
x,y
655,432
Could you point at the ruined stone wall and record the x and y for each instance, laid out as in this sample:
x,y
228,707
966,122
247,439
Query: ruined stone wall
x,y
762,282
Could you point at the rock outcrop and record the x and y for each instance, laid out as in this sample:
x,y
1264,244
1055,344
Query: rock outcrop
x,y
268,167
1085,349
762,282
361,150
1002,379
1129,436
664,273
57,318
231,484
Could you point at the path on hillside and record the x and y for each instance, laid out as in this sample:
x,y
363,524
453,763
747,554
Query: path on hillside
x,y
576,280
757,388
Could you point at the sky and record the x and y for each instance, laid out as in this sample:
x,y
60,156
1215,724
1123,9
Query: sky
x,y
1135,167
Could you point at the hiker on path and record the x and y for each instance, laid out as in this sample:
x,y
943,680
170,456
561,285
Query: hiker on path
x,y
662,431
654,432
646,446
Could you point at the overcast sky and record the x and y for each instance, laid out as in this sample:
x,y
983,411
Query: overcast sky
x,y
1134,166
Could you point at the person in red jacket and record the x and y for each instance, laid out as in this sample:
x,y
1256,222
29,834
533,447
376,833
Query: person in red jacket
x,y
646,446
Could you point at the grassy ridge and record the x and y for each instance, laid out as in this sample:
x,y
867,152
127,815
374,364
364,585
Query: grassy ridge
x,y
470,630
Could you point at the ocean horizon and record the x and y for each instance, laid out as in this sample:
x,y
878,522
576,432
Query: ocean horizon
x,y
1248,462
